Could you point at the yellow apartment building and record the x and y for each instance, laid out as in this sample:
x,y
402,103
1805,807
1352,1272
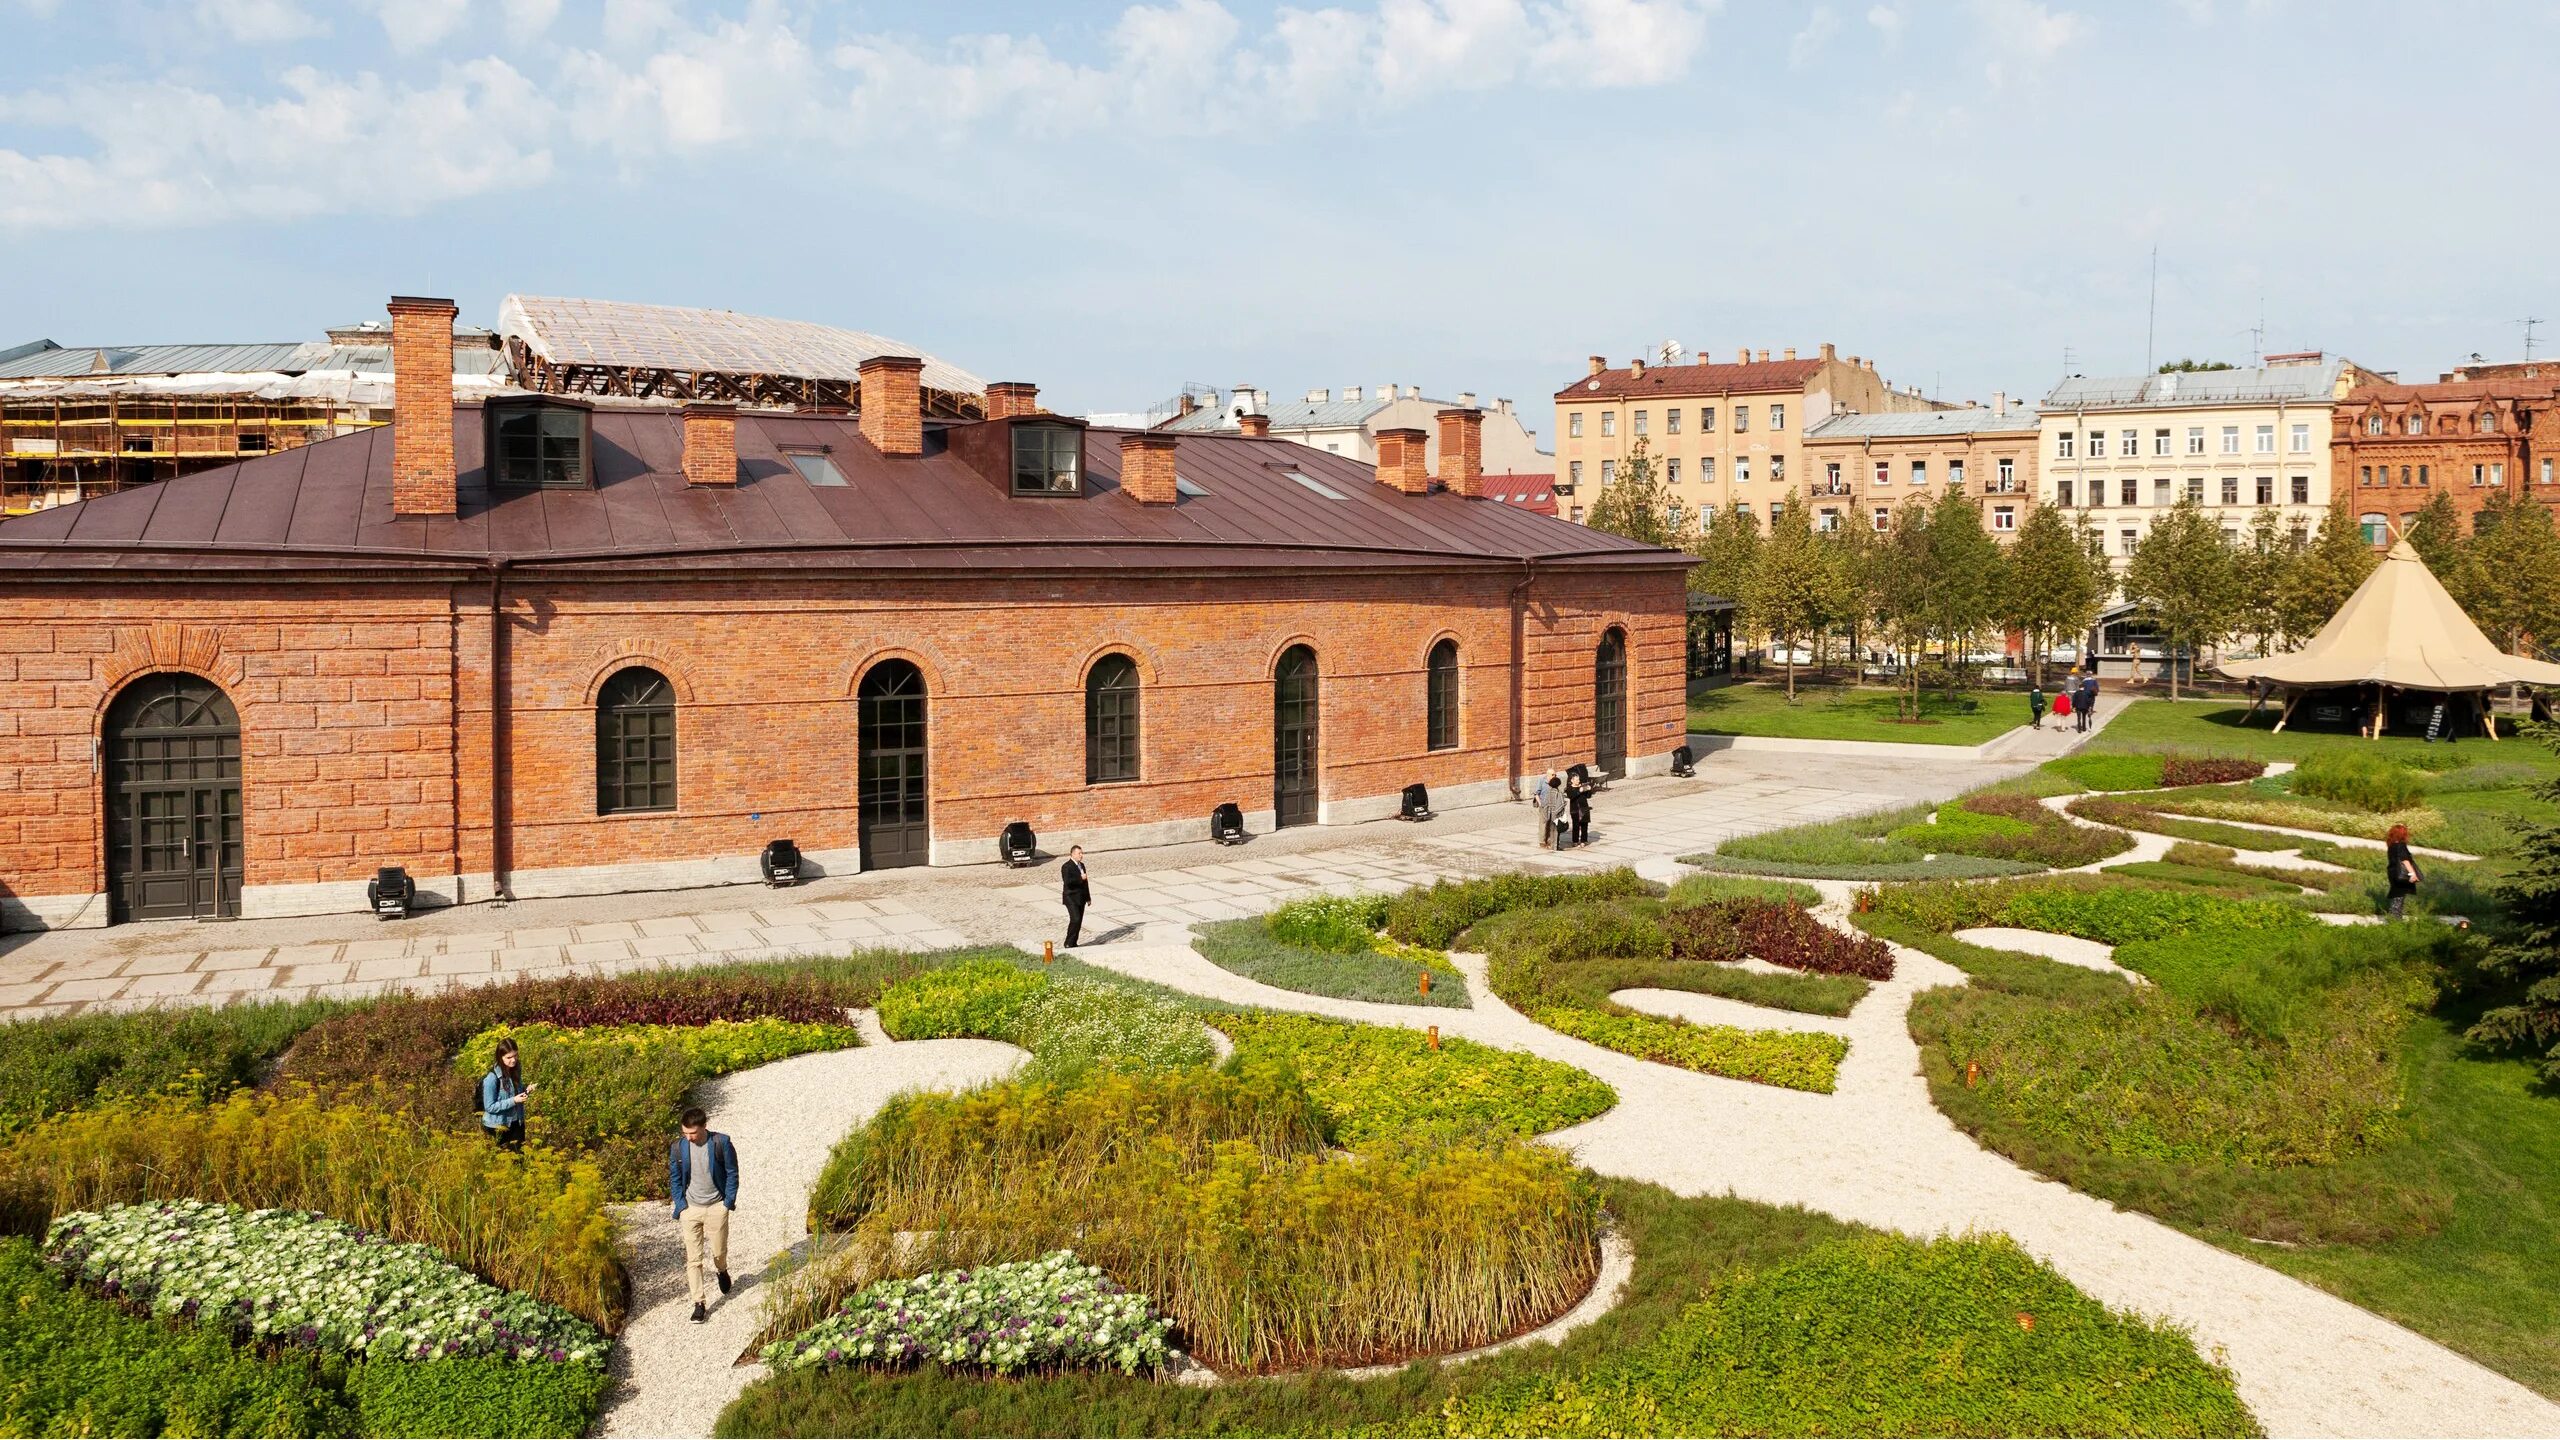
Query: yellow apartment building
x,y
1718,434
1865,467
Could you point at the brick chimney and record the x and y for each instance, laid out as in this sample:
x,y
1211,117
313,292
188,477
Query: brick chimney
x,y
1146,468
1764,357
893,404
1742,356
1635,367
1599,363
1462,452
421,405
1791,353
1255,426
711,443
1008,398
1404,460
1828,353
1999,402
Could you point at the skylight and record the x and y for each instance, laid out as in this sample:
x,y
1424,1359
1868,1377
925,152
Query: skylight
x,y
1317,486
1185,487
817,469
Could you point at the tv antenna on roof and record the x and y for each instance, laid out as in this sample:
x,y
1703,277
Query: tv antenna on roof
x,y
2528,323
2151,321
1671,352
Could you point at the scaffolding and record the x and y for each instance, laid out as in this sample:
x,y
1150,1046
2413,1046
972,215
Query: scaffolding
x,y
58,445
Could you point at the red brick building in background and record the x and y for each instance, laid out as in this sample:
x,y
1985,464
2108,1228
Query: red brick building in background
x,y
543,646
2469,436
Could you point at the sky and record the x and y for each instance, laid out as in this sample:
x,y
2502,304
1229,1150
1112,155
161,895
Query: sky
x,y
1467,195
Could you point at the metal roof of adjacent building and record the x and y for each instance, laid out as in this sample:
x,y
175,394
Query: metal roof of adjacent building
x,y
327,507
616,333
1979,420
1301,415
66,362
1672,381
2181,389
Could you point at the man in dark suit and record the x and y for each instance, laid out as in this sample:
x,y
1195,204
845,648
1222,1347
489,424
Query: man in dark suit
x,y
2088,709
1076,891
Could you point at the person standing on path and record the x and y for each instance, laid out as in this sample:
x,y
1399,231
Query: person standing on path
x,y
1577,802
502,1097
2402,868
702,1179
1075,889
1551,803
2088,699
2035,706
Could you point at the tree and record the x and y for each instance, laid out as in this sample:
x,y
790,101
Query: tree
x,y
1794,587
2436,534
2511,566
2263,568
1899,589
2528,958
2323,575
2190,367
1963,583
1853,549
2045,585
2185,581
1632,503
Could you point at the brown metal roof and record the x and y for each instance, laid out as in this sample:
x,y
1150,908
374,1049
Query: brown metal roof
x,y
327,507
1675,381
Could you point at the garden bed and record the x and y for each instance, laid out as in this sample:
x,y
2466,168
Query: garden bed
x,y
1331,945
1826,713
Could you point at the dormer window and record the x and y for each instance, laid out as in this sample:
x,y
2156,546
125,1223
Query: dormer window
x,y
539,447
1047,459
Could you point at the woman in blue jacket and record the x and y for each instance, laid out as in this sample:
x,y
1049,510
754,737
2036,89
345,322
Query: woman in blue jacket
x,y
502,1097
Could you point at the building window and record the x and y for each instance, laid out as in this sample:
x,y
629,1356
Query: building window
x,y
1111,721
2404,475
2129,443
1741,418
2230,489
2062,445
2374,527
1608,472
1826,521
1671,516
1644,419
2422,477
1831,476
2008,476
2266,439
1777,468
2128,491
2160,491
1884,472
2062,492
1440,697
2230,439
2195,488
2097,444
1776,509
1706,469
2373,423
1671,421
2266,489
1741,469
1608,423
538,447
1576,517
1671,471
2004,517
2479,474
1777,417
2230,535
1046,459
1573,472
2127,539
1706,417
1573,424
2159,442
2417,424
2364,476
1919,472
2195,439
635,743
2546,471
2301,437
2488,422
1883,518
2498,473
1955,475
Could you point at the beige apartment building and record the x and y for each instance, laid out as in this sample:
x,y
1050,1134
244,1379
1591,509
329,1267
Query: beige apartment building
x,y
1865,467
2118,451
1718,434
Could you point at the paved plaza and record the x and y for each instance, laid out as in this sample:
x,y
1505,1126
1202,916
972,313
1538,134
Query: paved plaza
x,y
1644,823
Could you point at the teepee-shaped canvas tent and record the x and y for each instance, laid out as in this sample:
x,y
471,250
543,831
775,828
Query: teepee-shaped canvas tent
x,y
2399,631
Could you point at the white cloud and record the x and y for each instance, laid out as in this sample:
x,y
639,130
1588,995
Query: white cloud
x,y
1818,29
254,22
2023,36
526,20
420,24
1887,21
741,79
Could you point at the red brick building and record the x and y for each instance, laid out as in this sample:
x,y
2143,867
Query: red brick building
x,y
538,646
2393,446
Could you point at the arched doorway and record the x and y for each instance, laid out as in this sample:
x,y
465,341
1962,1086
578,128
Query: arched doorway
x,y
1293,738
1609,705
174,836
891,732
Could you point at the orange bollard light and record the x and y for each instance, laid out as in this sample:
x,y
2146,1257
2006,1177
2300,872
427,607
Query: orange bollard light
x,y
1972,1073
1435,1039
1048,952
1426,982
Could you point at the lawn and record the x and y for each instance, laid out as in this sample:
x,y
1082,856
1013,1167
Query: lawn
x,y
1835,713
2213,727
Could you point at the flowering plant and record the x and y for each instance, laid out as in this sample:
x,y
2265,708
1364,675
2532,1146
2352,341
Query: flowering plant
x,y
295,1278
1052,1313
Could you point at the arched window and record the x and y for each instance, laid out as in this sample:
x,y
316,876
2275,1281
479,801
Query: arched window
x,y
2374,527
2417,423
2488,422
635,743
1111,720
1441,696
2373,423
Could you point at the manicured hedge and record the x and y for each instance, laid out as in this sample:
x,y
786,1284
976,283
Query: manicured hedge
x,y
1250,948
2109,911
2368,782
58,1063
2151,772
1438,914
1068,1023
1337,924
2007,826
1781,934
1375,1081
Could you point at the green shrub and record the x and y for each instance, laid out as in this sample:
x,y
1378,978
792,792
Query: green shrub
x,y
1337,924
1247,948
1438,914
2135,815
2487,775
2205,876
2183,770
533,1222
1786,935
1699,889
1374,1081
1881,1335
714,1048
1959,829
62,1062
2110,772
1792,1059
1068,1022
1857,840
1940,867
2368,782
477,1398
975,998
2109,911
2276,984
1211,1193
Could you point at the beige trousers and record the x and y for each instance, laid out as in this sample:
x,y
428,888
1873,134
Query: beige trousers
x,y
706,1237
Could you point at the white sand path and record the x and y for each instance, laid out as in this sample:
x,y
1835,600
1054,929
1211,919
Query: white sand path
x,y
2067,949
1878,1151
671,1376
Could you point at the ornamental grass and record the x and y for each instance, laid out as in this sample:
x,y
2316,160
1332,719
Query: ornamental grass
x,y
1213,1194
532,1223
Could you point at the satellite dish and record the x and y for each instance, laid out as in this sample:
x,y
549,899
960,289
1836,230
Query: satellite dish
x,y
1671,352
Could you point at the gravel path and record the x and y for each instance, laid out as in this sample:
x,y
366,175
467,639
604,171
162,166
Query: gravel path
x,y
671,1376
1879,1152
2068,949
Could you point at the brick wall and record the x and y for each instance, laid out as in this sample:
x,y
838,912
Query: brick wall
x,y
367,735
